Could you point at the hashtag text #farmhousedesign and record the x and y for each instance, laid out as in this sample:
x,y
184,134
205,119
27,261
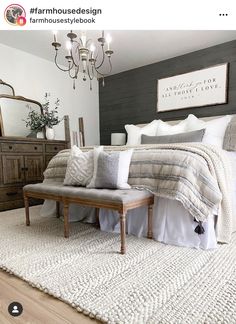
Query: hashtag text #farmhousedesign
x,y
62,11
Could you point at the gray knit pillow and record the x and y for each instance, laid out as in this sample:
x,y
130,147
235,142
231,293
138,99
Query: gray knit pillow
x,y
230,136
195,136
111,170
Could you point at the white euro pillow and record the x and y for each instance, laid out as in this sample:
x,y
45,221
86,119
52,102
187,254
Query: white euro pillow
x,y
215,129
194,123
135,132
164,128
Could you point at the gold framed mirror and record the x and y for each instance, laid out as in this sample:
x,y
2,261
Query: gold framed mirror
x,y
13,114
6,89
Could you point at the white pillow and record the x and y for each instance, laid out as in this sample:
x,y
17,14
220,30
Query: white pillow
x,y
111,170
166,129
135,132
215,129
79,169
193,123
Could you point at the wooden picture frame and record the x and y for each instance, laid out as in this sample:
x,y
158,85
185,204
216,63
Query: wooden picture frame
x,y
200,88
81,132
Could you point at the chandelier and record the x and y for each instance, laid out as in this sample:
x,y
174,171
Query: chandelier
x,y
84,57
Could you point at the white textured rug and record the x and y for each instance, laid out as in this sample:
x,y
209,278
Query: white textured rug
x,y
153,283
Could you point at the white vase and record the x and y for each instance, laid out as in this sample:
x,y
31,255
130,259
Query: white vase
x,y
50,133
40,135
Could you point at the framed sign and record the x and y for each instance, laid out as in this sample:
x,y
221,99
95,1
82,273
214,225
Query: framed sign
x,y
194,89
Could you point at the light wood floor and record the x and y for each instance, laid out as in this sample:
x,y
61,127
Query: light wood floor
x,y
38,307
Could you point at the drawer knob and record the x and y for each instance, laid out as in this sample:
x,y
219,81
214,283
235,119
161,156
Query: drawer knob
x,y
55,148
35,147
11,193
10,147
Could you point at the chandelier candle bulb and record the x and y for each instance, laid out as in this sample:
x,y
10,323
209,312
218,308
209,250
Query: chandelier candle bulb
x,y
55,36
83,39
92,49
68,46
108,39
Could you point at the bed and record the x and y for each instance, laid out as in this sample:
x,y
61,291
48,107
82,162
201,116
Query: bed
x,y
172,223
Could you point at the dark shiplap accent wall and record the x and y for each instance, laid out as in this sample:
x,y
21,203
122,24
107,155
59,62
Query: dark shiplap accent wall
x,y
131,97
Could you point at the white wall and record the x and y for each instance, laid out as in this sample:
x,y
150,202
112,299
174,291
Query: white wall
x,y
32,76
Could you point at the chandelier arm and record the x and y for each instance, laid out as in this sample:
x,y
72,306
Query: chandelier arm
x,y
76,49
75,73
100,75
103,59
105,74
64,70
88,42
75,41
88,73
109,60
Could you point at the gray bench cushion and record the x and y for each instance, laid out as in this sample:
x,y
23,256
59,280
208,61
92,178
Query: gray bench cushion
x,y
108,195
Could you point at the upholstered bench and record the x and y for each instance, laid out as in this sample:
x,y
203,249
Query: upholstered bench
x,y
119,200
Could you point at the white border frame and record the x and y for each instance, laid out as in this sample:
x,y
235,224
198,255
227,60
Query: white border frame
x,y
193,81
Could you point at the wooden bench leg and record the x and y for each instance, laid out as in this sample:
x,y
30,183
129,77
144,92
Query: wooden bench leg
x,y
26,200
66,220
122,232
58,209
97,217
149,233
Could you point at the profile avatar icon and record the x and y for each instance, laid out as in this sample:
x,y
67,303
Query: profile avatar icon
x,y
15,15
15,309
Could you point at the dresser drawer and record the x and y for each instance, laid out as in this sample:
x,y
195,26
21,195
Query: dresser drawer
x,y
6,205
10,193
54,148
19,203
23,148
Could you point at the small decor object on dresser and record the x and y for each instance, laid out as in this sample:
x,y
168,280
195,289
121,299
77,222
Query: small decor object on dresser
x,y
35,121
194,89
50,134
50,117
38,121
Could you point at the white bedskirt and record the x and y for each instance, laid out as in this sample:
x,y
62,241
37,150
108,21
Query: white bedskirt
x,y
172,224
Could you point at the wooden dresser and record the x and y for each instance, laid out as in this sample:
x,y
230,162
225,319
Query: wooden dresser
x,y
22,161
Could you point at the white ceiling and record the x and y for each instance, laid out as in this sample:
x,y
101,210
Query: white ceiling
x,y
131,48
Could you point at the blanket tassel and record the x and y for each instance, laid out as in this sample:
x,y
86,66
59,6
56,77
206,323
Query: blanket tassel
x,y
199,229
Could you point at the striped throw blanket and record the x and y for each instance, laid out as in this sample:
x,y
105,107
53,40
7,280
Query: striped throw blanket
x,y
195,174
